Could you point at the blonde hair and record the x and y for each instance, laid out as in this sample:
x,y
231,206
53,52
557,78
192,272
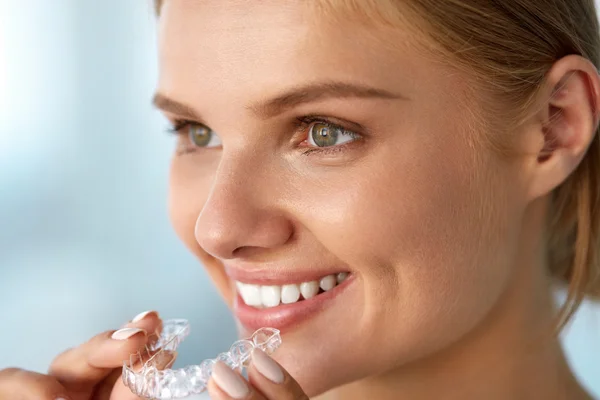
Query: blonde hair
x,y
508,47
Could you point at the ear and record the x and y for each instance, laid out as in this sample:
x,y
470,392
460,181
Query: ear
x,y
568,122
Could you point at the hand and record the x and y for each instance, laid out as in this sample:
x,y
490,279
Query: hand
x,y
91,371
267,381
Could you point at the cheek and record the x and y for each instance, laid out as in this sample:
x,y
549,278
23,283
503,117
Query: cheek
x,y
425,226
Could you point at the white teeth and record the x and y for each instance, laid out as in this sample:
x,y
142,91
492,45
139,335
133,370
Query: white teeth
x,y
270,295
290,294
341,277
273,295
328,282
309,289
250,293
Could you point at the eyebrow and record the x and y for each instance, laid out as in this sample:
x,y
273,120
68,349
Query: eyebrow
x,y
287,100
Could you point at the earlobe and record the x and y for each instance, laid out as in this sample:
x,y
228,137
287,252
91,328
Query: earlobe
x,y
569,123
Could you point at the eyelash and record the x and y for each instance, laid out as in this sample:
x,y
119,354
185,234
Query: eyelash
x,y
303,123
178,126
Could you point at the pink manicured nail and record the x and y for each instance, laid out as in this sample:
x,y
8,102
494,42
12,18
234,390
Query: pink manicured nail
x,y
125,333
229,381
267,367
143,315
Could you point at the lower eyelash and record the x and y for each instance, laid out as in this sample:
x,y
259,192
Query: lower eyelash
x,y
329,150
318,150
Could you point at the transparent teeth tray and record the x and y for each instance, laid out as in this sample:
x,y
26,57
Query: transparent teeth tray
x,y
143,377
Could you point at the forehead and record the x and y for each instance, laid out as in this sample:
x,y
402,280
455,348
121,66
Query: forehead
x,y
240,49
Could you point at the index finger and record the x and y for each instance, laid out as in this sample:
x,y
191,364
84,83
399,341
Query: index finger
x,y
94,360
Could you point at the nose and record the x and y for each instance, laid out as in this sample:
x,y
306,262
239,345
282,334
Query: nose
x,y
241,216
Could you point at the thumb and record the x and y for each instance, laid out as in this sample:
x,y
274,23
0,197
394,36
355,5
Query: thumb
x,y
272,380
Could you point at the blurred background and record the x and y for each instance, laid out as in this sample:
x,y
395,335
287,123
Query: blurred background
x,y
85,240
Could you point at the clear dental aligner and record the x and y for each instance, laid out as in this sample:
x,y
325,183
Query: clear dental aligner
x,y
144,379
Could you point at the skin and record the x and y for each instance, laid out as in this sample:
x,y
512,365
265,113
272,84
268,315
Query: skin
x,y
442,235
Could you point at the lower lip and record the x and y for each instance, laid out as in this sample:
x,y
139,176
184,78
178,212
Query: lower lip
x,y
286,316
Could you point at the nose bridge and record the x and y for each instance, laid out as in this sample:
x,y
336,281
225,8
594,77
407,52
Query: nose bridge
x,y
238,212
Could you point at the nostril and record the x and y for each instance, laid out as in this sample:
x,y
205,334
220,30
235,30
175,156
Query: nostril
x,y
247,251
243,238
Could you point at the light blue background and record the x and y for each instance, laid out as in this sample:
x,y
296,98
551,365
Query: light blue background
x,y
85,242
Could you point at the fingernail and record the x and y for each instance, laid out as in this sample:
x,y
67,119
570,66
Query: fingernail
x,y
229,381
266,366
143,315
166,360
170,363
125,333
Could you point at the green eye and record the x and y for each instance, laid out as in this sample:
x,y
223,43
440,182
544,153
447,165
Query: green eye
x,y
201,136
326,135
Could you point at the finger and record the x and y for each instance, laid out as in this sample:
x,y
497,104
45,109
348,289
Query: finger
x,y
103,390
93,361
18,384
274,382
90,363
227,384
121,392
150,321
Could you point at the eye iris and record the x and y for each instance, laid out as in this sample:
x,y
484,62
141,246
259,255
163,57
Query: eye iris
x,y
324,135
200,135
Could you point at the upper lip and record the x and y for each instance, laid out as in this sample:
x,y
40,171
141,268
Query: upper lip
x,y
278,274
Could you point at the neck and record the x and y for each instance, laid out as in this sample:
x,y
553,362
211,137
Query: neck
x,y
512,354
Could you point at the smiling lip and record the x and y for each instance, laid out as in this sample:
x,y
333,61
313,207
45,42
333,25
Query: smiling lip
x,y
276,276
285,316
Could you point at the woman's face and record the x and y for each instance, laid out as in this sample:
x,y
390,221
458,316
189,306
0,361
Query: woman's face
x,y
316,149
